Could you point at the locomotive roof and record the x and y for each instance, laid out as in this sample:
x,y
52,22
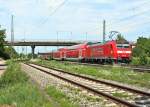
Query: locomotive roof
x,y
92,43
77,46
62,49
99,43
83,45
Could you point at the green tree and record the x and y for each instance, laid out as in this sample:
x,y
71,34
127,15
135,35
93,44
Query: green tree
x,y
137,52
6,52
142,47
11,52
120,39
143,59
21,55
29,56
2,39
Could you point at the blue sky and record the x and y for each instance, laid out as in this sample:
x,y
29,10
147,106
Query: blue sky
x,y
42,19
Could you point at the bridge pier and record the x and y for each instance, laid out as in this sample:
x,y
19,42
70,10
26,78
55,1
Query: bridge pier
x,y
33,50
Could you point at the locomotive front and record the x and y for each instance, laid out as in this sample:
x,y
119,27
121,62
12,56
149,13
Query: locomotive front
x,y
124,52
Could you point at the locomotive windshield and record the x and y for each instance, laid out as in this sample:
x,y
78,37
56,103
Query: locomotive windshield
x,y
123,45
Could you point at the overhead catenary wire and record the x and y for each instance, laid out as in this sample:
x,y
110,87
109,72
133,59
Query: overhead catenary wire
x,y
116,22
53,12
132,16
44,20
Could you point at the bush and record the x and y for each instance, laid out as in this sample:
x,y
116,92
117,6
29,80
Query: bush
x,y
135,61
148,60
4,55
143,59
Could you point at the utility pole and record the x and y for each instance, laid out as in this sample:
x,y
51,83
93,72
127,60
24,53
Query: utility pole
x,y
26,46
12,34
57,38
104,30
70,35
86,36
12,30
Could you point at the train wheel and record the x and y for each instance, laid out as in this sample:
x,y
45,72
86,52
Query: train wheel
x,y
112,62
103,61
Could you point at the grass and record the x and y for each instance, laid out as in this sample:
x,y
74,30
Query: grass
x,y
16,90
136,61
23,95
121,95
122,75
60,97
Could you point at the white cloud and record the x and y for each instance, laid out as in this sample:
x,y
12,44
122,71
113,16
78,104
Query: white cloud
x,y
78,16
105,1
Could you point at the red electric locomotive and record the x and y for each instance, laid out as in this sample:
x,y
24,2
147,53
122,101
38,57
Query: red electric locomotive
x,y
108,52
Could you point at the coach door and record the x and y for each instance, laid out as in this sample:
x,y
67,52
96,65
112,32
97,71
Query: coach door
x,y
80,53
60,55
65,55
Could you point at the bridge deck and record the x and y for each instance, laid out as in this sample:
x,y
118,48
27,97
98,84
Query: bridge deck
x,y
42,43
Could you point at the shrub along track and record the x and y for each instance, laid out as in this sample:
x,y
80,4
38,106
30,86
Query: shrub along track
x,y
137,68
118,93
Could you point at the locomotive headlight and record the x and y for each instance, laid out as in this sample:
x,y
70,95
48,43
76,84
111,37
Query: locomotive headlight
x,y
124,52
128,52
119,51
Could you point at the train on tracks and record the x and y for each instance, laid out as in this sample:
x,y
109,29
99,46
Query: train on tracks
x,y
108,52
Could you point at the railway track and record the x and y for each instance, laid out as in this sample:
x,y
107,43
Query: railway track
x,y
141,68
132,67
122,95
3,66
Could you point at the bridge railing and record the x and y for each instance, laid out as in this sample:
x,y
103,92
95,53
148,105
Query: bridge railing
x,y
50,40
46,41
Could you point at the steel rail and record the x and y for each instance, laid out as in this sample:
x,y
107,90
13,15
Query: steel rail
x,y
115,99
3,64
2,69
101,81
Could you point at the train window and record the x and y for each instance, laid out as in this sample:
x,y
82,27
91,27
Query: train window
x,y
126,46
119,46
123,45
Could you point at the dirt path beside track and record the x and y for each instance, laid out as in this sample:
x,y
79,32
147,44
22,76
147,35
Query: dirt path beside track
x,y
2,66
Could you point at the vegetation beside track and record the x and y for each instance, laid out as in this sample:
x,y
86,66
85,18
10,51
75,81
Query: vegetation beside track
x,y
59,97
141,52
16,90
122,75
142,60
